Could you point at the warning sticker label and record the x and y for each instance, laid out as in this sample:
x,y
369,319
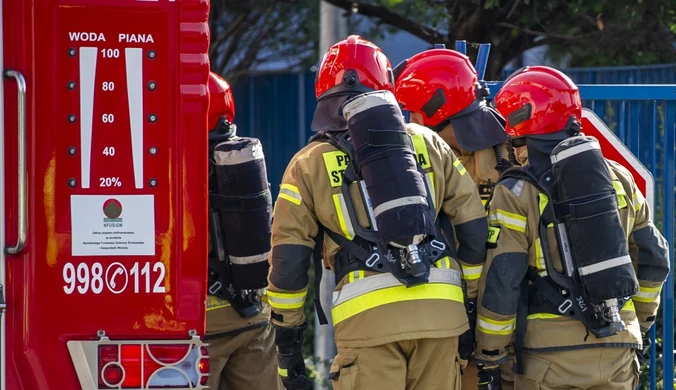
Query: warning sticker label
x,y
113,225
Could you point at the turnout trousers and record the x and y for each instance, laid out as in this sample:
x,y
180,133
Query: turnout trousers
x,y
419,364
245,360
586,369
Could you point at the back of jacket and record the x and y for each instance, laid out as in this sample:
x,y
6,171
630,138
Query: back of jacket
x,y
368,309
514,218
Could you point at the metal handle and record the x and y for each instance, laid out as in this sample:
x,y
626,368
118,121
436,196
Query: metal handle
x,y
22,212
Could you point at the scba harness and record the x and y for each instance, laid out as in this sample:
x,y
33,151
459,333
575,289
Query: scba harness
x,y
363,253
579,201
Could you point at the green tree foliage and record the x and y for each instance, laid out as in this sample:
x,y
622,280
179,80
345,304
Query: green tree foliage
x,y
255,33
586,32
252,33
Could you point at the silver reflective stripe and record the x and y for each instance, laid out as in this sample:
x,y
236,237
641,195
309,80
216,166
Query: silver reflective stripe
x,y
585,147
249,259
399,202
429,177
648,294
504,326
367,102
291,193
616,262
233,157
286,300
385,280
349,230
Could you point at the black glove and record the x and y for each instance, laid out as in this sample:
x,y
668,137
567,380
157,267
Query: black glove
x,y
489,378
642,354
289,343
466,342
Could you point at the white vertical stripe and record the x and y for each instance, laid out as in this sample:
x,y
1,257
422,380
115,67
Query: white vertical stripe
x,y
134,63
87,79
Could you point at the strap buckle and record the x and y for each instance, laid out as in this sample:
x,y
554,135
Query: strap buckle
x,y
372,260
438,245
215,287
567,304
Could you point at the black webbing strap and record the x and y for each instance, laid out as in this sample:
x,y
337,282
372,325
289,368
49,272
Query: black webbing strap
x,y
389,138
317,258
252,202
351,247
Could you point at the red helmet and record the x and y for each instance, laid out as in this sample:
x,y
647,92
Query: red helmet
x,y
354,64
437,83
221,102
539,100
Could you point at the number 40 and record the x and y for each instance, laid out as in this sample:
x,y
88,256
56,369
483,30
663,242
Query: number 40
x,y
109,151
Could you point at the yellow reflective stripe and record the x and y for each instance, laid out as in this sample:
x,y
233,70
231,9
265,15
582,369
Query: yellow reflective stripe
x,y
542,316
280,300
483,202
214,303
343,216
421,151
539,257
290,193
638,200
389,295
628,306
282,372
509,220
429,177
355,275
647,294
444,262
471,272
542,203
489,326
458,165
621,194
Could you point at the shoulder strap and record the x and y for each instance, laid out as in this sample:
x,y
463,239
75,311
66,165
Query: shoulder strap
x,y
317,259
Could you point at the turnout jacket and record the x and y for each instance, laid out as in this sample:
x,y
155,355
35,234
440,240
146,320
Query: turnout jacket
x,y
371,308
514,216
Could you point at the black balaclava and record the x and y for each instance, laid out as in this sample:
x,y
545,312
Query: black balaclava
x,y
540,146
328,114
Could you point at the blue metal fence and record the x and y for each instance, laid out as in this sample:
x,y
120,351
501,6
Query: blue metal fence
x,y
278,109
648,74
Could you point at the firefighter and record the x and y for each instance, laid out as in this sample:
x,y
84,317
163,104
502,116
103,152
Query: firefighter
x,y
440,89
559,271
239,335
398,306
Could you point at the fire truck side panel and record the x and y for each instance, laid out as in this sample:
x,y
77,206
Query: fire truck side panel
x,y
117,177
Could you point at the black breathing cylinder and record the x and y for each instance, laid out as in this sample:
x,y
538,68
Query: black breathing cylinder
x,y
243,200
588,203
386,160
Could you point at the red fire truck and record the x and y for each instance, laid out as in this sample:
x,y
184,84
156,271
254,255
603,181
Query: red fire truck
x,y
103,197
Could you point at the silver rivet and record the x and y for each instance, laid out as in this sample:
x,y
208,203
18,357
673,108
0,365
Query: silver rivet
x,y
71,118
71,85
152,85
152,182
71,52
72,150
152,150
152,55
72,183
152,118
